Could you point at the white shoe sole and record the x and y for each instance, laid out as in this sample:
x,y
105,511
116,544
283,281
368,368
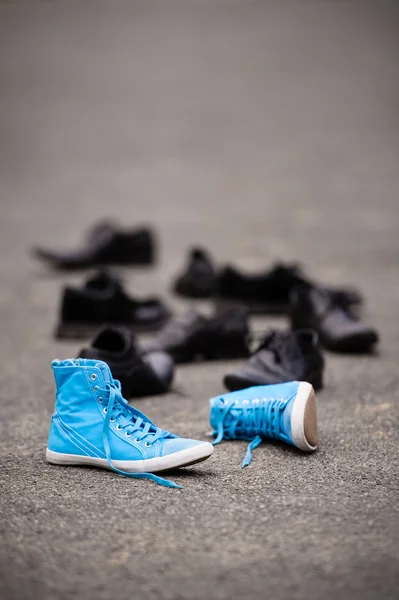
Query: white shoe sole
x,y
304,418
175,460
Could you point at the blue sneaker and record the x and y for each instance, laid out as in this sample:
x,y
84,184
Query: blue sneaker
x,y
285,412
94,425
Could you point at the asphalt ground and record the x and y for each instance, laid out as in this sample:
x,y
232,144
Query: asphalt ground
x,y
261,130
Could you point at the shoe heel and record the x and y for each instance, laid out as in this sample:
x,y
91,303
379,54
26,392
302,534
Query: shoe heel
x,y
317,381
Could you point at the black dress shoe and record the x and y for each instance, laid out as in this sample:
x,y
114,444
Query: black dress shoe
x,y
140,375
338,330
269,292
282,356
102,300
198,280
106,244
191,336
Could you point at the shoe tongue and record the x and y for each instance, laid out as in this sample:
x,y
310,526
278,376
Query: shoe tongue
x,y
106,371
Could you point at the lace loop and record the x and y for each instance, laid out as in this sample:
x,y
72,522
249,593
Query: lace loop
x,y
128,421
248,420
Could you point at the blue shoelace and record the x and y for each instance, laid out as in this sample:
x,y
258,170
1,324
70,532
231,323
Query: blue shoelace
x,y
252,420
127,420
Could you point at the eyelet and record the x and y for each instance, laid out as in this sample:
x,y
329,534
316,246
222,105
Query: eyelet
x,y
137,440
147,445
119,428
112,420
128,434
93,376
100,398
255,401
95,388
105,409
245,401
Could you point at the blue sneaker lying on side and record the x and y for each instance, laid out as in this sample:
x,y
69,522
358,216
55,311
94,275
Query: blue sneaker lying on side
x,y
94,425
285,412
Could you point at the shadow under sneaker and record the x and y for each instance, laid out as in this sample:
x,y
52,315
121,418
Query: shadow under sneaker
x,y
284,412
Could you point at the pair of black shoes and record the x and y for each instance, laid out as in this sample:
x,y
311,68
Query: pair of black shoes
x,y
103,308
280,356
262,293
105,244
103,300
316,321
148,369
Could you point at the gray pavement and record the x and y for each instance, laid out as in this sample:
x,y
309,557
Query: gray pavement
x,y
261,130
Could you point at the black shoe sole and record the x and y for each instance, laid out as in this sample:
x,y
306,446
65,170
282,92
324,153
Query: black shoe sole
x,y
77,331
234,382
187,292
359,343
254,307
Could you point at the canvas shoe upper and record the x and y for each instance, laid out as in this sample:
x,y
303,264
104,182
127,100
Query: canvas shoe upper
x,y
285,412
94,425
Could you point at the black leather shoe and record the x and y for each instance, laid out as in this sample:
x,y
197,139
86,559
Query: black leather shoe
x,y
140,375
338,330
191,336
198,279
106,244
282,356
269,292
102,300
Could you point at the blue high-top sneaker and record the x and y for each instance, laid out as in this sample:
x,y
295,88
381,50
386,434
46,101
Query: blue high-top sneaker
x,y
94,425
286,412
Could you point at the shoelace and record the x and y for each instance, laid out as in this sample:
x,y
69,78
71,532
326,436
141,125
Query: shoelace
x,y
119,410
255,420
